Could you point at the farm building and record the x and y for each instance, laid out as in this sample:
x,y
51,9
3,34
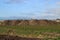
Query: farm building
x,y
57,20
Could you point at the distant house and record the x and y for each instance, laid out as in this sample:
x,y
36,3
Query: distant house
x,y
57,20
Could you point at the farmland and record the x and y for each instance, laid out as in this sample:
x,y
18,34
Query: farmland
x,y
41,29
36,31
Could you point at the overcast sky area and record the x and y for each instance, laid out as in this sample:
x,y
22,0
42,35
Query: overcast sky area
x,y
41,9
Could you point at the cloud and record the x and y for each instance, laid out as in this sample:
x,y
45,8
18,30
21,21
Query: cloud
x,y
49,14
58,3
55,13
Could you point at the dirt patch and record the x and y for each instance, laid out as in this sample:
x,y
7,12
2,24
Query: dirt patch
x,y
8,37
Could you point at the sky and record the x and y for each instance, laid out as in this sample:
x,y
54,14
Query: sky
x,y
39,9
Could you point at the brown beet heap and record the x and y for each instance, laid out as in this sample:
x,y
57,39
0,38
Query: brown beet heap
x,y
27,22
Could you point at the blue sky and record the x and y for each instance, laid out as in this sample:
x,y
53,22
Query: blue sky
x,y
41,9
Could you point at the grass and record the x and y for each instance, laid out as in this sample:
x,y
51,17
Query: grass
x,y
26,29
32,30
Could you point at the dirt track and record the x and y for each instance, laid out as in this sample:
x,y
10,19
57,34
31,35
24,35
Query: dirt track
x,y
6,37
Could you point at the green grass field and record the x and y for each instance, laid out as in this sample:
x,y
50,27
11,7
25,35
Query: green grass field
x,y
34,30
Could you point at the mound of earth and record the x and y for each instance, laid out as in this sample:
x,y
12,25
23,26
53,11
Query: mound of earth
x,y
27,22
8,37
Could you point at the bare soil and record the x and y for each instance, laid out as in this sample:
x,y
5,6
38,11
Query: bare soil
x,y
8,37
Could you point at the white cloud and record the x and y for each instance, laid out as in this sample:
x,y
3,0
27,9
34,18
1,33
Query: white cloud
x,y
50,14
55,11
58,3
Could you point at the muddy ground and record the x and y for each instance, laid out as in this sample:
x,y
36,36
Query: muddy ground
x,y
7,37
